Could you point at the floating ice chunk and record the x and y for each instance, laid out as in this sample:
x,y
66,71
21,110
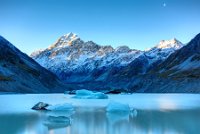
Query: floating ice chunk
x,y
100,95
57,122
86,94
61,107
117,107
83,92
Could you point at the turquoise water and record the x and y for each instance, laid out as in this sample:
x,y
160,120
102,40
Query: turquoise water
x,y
156,114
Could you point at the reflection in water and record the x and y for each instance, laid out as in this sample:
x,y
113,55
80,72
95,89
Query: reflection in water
x,y
53,122
97,121
20,123
117,117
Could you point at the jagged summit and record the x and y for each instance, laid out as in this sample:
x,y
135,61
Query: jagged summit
x,y
164,44
65,40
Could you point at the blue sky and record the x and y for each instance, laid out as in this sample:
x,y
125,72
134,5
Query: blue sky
x,y
140,24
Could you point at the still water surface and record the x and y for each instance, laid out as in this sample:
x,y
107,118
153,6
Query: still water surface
x,y
156,114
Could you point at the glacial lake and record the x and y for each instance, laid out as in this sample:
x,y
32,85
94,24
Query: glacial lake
x,y
153,114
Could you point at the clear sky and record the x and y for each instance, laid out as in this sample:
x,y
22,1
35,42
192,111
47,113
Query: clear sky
x,y
140,24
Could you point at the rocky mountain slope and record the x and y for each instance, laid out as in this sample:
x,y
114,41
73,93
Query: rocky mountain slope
x,y
183,63
21,74
179,73
75,61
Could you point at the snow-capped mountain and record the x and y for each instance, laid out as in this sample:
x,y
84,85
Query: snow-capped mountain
x,y
170,66
163,49
74,60
184,62
180,72
19,73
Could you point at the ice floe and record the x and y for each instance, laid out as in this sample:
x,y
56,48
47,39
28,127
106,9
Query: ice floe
x,y
86,94
61,107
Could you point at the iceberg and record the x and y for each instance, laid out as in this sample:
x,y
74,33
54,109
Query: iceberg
x,y
83,92
100,95
61,107
48,107
118,107
65,113
86,94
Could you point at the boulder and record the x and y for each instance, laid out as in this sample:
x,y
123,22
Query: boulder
x,y
40,106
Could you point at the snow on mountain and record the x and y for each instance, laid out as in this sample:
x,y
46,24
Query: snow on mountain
x,y
184,60
163,50
65,41
72,59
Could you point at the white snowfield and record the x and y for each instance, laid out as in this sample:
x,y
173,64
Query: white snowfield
x,y
24,103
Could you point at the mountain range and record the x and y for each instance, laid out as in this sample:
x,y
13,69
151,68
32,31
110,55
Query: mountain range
x,y
71,63
75,61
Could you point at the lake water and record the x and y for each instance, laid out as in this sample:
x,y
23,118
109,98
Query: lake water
x,y
156,114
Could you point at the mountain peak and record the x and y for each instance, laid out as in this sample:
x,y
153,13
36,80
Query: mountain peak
x,y
65,40
68,39
71,36
173,43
